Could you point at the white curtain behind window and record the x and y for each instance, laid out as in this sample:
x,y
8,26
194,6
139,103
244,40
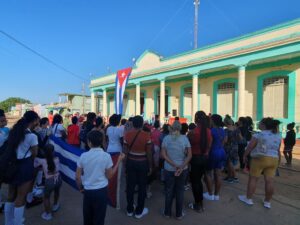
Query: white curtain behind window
x,y
188,101
275,97
225,99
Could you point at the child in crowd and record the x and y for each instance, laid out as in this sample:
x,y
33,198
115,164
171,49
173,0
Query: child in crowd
x,y
53,180
192,126
43,132
73,133
289,142
94,169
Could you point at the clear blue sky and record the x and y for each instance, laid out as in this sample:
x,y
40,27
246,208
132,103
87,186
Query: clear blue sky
x,y
88,36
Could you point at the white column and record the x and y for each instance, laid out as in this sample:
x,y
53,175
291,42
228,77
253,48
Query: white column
x,y
93,102
241,90
138,99
162,101
195,94
104,103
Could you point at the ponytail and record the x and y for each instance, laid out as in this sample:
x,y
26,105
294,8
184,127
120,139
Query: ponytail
x,y
49,149
202,121
18,132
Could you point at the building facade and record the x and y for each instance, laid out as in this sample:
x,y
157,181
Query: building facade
x,y
255,75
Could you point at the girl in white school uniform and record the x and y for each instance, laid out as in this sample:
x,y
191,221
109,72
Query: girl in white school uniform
x,y
25,144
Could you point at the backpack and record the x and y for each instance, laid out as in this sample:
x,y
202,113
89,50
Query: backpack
x,y
8,163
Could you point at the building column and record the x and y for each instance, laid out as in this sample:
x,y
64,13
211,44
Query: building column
x,y
195,94
138,99
104,103
162,101
93,102
241,90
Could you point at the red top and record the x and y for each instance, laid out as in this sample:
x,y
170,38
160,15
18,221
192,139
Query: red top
x,y
142,140
155,135
195,137
50,118
73,135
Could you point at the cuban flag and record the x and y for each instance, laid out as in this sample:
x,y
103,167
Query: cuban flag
x,y
121,83
68,157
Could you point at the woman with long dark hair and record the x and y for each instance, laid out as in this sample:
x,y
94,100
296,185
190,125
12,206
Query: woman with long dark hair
x,y
24,143
200,139
58,129
217,158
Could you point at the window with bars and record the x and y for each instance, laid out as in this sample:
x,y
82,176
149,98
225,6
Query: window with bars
x,y
226,85
275,81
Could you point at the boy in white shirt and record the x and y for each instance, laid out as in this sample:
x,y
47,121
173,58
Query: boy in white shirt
x,y
98,168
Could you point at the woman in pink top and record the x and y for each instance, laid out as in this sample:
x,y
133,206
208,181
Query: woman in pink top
x,y
53,180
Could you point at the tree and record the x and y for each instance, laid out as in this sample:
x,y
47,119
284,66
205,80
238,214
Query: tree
x,y
10,102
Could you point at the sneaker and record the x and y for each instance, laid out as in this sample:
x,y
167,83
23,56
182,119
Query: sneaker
x,y
130,214
236,180
208,197
229,180
187,187
267,205
144,213
217,197
196,207
182,216
56,207
244,199
47,216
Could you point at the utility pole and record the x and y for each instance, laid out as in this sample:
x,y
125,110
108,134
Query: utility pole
x,y
196,3
83,97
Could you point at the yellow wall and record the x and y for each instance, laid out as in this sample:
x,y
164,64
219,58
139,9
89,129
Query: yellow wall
x,y
206,92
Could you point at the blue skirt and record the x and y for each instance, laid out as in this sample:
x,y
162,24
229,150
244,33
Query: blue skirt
x,y
25,172
217,159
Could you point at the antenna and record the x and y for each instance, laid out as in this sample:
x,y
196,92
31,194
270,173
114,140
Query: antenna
x,y
196,3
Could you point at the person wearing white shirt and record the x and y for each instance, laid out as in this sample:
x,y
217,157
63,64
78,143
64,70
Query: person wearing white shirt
x,y
58,129
114,135
25,144
94,169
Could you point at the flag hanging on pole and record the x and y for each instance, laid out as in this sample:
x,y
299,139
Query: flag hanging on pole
x,y
121,83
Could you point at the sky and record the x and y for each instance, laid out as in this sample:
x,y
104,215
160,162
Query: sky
x,y
89,38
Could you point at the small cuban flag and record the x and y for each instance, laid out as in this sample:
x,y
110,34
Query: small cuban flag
x,y
121,83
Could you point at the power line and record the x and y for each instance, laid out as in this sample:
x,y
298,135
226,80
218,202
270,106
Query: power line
x,y
42,56
167,24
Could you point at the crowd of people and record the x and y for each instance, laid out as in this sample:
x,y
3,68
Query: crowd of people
x,y
176,154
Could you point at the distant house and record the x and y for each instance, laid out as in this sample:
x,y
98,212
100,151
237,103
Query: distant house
x,y
72,103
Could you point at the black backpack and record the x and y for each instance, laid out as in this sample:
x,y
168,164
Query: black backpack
x,y
8,163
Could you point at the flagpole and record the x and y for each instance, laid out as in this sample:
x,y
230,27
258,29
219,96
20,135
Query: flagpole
x,y
196,3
